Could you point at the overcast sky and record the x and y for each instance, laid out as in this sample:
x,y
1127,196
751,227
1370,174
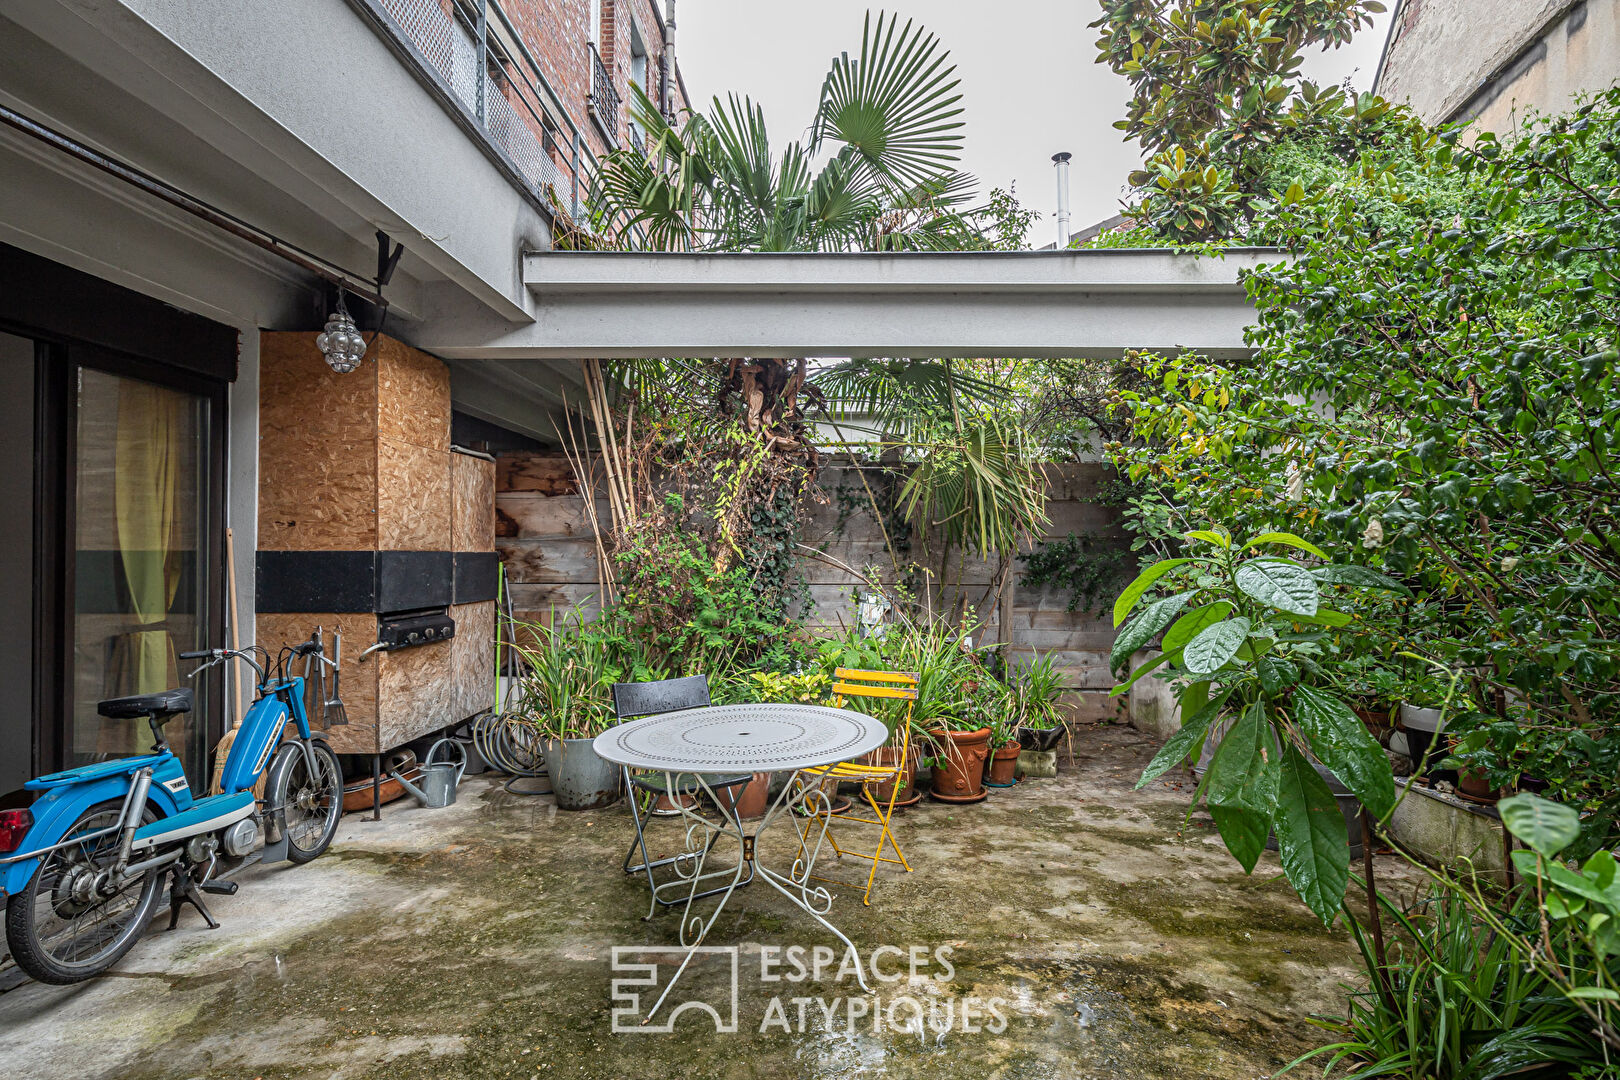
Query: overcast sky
x,y
1029,83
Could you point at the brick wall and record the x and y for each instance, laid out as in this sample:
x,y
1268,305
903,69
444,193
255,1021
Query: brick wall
x,y
555,32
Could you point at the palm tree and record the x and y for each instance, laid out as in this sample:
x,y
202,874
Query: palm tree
x,y
887,126
887,135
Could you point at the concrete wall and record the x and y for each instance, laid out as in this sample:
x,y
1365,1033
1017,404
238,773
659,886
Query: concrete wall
x,y
1489,61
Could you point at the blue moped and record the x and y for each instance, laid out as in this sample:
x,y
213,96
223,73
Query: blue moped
x,y
82,867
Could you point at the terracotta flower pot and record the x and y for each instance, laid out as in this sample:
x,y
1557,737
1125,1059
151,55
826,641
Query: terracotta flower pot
x,y
664,806
1003,765
1376,721
959,777
909,795
754,797
1473,785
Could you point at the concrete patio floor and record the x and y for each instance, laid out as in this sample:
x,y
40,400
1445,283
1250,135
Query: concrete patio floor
x,y
477,940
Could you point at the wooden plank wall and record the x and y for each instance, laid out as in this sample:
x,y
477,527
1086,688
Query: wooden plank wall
x,y
546,544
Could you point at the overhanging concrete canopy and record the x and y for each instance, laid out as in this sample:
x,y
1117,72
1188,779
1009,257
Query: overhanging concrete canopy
x,y
1060,303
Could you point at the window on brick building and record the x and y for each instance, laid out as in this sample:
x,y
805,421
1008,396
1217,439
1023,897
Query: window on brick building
x,y
639,66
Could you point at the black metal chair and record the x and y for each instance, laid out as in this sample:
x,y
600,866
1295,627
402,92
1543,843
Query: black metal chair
x,y
631,701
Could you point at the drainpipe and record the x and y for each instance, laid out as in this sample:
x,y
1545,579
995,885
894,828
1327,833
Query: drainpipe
x,y
668,96
1062,163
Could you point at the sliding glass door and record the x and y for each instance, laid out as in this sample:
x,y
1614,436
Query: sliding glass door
x,y
142,558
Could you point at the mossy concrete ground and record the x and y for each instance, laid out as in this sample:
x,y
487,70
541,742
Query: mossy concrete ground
x,y
1091,932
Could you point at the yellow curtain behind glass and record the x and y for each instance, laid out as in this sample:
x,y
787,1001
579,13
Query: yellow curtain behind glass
x,y
146,480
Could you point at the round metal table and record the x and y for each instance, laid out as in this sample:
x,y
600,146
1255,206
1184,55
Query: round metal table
x,y
721,739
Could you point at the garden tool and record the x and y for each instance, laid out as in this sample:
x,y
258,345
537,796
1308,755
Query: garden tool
x,y
332,708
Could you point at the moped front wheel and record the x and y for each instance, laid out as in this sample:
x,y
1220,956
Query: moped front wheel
x,y
310,797
72,921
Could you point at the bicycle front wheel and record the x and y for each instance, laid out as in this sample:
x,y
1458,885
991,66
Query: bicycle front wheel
x,y
71,921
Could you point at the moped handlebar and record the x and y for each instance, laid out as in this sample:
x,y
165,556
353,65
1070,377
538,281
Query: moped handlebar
x,y
219,656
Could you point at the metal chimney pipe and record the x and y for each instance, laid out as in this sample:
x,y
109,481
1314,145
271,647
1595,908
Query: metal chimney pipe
x,y
1062,163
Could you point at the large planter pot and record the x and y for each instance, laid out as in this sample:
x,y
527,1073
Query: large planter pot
x,y
890,756
959,778
1002,768
580,778
1422,726
754,797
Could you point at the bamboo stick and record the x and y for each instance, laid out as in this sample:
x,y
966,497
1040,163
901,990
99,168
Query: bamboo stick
x,y
615,504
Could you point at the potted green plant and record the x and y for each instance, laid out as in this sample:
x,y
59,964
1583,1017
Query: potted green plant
x,y
1036,687
1424,718
1001,770
566,695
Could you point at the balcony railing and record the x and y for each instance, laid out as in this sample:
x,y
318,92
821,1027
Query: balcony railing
x,y
493,76
605,98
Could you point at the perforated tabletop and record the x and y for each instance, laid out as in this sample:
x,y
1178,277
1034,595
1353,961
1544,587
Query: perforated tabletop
x,y
741,738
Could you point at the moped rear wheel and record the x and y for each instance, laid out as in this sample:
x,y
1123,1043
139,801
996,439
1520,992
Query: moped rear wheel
x,y
311,799
70,923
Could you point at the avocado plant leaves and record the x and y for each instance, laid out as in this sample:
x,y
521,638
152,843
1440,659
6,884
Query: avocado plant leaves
x,y
1548,827
1215,646
1341,742
1284,585
1144,581
1185,742
1311,836
1155,617
1360,576
1276,675
1194,622
1242,786
1289,539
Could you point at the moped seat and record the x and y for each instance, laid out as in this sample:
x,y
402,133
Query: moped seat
x,y
163,703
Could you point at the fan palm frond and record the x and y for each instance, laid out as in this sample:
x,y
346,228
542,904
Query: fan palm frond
x,y
976,488
882,387
897,104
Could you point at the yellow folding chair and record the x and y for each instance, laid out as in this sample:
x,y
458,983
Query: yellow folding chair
x,y
854,683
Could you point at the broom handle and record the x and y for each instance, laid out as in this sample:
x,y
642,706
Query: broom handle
x,y
230,578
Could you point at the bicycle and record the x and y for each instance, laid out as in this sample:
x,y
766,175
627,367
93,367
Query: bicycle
x,y
82,867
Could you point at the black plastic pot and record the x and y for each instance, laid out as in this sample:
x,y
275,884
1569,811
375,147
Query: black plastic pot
x,y
1042,739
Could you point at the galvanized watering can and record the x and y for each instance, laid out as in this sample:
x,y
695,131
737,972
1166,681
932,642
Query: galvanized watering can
x,y
439,778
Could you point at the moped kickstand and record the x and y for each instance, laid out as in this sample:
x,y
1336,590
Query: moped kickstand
x,y
185,890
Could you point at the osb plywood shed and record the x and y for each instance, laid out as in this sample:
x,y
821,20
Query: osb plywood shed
x,y
361,462
317,449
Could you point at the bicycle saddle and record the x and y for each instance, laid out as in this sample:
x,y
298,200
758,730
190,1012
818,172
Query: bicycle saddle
x,y
162,703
